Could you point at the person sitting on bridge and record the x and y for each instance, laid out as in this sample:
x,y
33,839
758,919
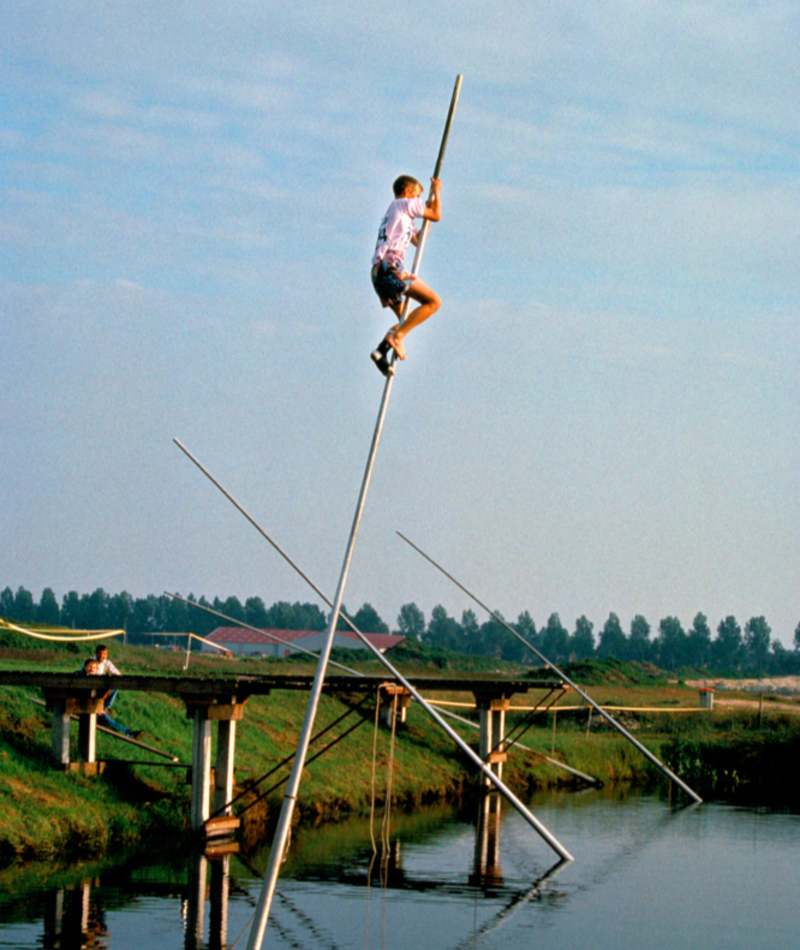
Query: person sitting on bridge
x,y
91,668
106,668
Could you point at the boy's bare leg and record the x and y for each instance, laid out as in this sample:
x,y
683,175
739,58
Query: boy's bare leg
x,y
429,302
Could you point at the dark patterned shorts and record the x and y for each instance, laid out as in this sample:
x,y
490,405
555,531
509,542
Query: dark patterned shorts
x,y
391,282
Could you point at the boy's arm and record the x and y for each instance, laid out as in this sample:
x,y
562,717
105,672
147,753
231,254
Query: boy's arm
x,y
433,206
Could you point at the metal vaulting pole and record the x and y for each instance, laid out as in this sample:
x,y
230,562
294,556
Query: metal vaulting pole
x,y
285,820
599,709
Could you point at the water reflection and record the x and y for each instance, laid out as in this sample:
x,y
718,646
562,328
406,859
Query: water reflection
x,y
486,869
445,883
74,915
73,920
199,891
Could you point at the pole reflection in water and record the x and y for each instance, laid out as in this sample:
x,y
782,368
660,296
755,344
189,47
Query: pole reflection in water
x,y
487,870
218,912
72,920
216,891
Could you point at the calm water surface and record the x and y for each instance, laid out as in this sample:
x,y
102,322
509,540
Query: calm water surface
x,y
645,876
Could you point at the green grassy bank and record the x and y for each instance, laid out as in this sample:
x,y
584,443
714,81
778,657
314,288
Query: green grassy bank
x,y
48,814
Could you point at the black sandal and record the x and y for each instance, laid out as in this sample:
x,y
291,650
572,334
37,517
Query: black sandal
x,y
379,358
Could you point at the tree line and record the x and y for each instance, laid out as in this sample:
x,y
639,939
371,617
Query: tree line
x,y
730,647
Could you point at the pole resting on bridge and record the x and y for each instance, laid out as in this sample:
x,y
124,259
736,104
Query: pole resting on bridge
x,y
613,722
284,821
562,852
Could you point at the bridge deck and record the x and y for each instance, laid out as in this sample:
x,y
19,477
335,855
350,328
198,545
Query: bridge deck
x,y
242,686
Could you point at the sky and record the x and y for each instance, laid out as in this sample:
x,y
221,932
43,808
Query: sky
x,y
603,415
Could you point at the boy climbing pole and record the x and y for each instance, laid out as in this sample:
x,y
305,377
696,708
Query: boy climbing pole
x,y
392,282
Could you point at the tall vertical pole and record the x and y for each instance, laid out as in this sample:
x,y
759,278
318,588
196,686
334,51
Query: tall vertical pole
x,y
290,798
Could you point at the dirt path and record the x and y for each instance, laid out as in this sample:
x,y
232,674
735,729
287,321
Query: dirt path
x,y
753,704
786,685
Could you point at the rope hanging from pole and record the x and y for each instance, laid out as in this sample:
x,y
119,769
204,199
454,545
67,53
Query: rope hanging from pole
x,y
387,808
374,771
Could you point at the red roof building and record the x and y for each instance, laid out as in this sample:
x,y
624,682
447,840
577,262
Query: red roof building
x,y
281,643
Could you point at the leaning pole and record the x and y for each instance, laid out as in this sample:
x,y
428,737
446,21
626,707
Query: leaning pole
x,y
599,709
532,820
290,799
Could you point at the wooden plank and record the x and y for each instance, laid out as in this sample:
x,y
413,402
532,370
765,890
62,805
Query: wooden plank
x,y
222,825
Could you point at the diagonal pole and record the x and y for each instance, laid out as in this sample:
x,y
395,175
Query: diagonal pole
x,y
429,708
613,722
284,821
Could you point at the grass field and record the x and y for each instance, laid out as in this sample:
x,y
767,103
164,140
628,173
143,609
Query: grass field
x,y
738,750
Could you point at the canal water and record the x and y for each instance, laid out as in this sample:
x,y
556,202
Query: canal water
x,y
646,875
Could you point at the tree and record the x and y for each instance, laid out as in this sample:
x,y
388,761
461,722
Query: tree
x,y
311,617
498,641
285,616
526,628
232,607
23,608
120,609
698,644
255,612
443,631
555,640
671,643
639,646
411,622
781,661
726,650
144,617
368,620
71,609
280,616
757,634
7,604
47,610
94,610
581,643
203,622
796,636
494,638
471,633
612,640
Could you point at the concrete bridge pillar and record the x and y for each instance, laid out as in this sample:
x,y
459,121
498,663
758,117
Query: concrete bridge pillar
x,y
492,711
86,705
226,715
